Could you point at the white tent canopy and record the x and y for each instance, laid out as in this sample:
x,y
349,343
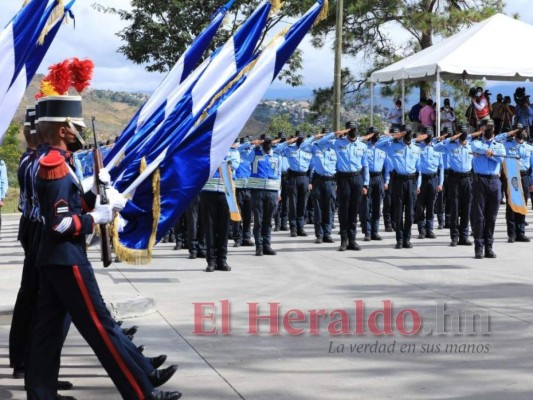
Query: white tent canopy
x,y
492,49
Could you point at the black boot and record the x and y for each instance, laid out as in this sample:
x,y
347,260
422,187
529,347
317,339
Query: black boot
x,y
159,395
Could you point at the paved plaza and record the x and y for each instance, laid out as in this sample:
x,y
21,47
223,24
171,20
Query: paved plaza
x,y
490,359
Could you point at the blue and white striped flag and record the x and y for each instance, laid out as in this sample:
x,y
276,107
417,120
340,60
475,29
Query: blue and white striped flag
x,y
22,54
179,172
152,113
186,104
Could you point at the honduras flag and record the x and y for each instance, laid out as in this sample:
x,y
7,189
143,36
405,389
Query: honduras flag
x,y
22,54
185,106
153,111
178,174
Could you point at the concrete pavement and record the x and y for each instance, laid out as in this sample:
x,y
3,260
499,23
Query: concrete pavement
x,y
492,363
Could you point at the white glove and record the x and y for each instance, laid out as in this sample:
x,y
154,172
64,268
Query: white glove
x,y
104,176
102,213
121,223
88,184
117,201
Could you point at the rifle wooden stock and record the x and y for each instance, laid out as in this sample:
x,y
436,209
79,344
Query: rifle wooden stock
x,y
105,245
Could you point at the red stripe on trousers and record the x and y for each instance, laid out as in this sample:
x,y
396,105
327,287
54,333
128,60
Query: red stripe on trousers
x,y
103,333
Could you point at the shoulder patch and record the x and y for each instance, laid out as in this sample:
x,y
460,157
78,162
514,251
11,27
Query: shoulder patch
x,y
53,166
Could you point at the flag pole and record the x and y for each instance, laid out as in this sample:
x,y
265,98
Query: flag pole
x,y
337,87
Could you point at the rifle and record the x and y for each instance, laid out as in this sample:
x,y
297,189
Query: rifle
x,y
101,190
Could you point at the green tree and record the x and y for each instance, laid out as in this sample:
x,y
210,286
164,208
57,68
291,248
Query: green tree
x,y
10,152
281,123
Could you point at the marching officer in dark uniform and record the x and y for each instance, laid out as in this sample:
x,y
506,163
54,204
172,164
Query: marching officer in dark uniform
x,y
432,170
405,158
298,152
264,183
516,145
379,178
488,156
67,281
352,179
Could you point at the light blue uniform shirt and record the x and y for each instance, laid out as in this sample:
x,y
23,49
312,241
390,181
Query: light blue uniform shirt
x,y
483,164
3,180
245,167
351,156
522,151
459,156
324,161
299,158
405,158
431,161
377,161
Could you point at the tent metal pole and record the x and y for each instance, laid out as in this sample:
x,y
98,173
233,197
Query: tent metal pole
x,y
437,106
403,101
371,103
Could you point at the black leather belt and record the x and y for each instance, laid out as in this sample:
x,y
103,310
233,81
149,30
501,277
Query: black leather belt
x,y
374,174
294,173
461,174
524,173
323,177
349,174
430,176
488,176
412,177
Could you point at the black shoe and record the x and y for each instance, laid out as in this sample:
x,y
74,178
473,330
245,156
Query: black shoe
x,y
141,348
465,242
223,267
367,238
354,246
318,240
156,362
192,256
407,245
489,253
159,377
18,373
430,235
259,251
202,254
398,245
301,233
479,254
178,246
293,234
511,239
269,251
248,243
237,244
160,395
328,239
343,246
130,337
421,236
210,267
60,397
64,385
388,228
375,236
276,228
131,330
454,243
441,226
283,228
522,238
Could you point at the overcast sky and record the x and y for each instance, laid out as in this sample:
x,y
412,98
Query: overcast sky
x,y
94,37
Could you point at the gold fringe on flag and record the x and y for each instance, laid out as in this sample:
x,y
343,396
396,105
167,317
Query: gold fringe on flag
x,y
25,3
276,6
56,15
323,13
133,256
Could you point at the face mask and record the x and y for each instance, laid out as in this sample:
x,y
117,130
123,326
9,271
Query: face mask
x,y
428,139
352,134
478,94
488,133
407,137
374,138
521,135
447,108
463,136
299,141
398,107
267,147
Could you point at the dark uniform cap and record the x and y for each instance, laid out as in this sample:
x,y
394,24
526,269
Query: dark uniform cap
x,y
350,125
324,130
262,136
395,130
267,138
408,128
299,135
464,129
488,122
519,126
429,131
370,130
30,119
61,109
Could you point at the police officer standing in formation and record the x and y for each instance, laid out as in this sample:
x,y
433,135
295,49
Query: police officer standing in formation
x,y
405,159
265,185
379,180
215,215
352,179
459,189
324,166
488,156
298,153
282,212
242,231
516,146
432,170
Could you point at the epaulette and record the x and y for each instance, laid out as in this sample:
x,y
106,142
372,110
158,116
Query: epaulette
x,y
53,166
